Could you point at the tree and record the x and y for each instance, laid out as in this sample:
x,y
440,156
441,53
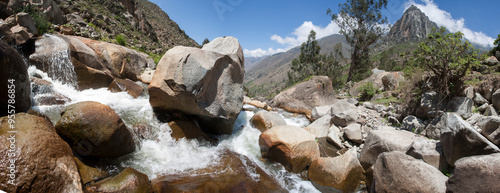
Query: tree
x,y
496,48
360,21
308,62
449,58
206,41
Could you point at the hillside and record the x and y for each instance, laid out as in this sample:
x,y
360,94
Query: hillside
x,y
269,75
250,62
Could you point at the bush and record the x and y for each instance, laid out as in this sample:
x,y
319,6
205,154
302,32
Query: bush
x,y
41,23
120,40
367,91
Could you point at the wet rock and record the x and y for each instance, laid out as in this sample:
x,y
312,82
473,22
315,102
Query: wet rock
x,y
475,174
490,127
44,162
429,151
397,172
342,173
462,106
186,129
386,140
95,130
303,97
12,67
344,113
264,120
353,132
291,146
129,180
51,99
206,84
88,173
320,127
460,140
233,173
126,85
413,124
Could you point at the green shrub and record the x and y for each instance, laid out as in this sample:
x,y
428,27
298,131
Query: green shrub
x,y
120,40
367,91
41,23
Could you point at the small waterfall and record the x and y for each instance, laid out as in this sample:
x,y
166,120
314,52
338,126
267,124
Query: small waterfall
x,y
59,66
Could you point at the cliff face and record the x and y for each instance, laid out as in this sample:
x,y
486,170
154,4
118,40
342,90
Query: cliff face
x,y
414,25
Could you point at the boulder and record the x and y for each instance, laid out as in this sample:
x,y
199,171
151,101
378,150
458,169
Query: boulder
x,y
259,104
320,127
397,172
95,130
483,107
264,120
129,180
495,99
303,97
353,132
413,124
186,129
21,34
147,76
320,111
430,101
435,128
344,113
491,61
89,174
390,81
469,92
50,99
490,111
342,173
375,79
479,99
291,146
76,20
334,136
475,174
25,20
13,78
460,140
206,84
462,106
232,173
490,128
429,151
386,140
126,85
33,158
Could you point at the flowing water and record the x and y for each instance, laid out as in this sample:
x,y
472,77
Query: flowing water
x,y
159,154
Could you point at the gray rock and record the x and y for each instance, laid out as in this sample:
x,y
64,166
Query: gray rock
x,y
479,99
76,20
353,101
462,106
321,111
386,140
490,127
495,99
491,61
202,83
353,132
460,140
483,107
264,120
334,138
490,111
429,151
413,124
344,113
390,82
25,20
435,128
430,101
469,92
320,127
397,172
475,174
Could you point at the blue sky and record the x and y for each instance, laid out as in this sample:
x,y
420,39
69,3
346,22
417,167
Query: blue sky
x,y
268,27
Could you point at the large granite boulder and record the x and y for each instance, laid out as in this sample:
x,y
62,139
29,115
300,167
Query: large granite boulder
x,y
429,104
344,113
490,128
95,130
14,81
33,158
386,140
232,173
303,97
320,127
429,151
206,84
397,172
475,174
342,173
291,146
264,120
462,106
460,140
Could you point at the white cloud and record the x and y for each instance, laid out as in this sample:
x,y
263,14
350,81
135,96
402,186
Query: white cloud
x,y
299,35
443,18
260,52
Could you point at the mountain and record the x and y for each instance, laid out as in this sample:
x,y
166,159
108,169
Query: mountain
x,y
414,25
250,62
269,75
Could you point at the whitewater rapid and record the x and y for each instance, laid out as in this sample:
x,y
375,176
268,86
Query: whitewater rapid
x,y
158,154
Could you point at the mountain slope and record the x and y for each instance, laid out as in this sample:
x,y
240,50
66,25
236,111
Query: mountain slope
x,y
269,75
250,62
414,25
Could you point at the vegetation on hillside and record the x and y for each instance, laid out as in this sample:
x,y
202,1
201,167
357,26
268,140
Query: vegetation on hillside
x,y
496,48
360,22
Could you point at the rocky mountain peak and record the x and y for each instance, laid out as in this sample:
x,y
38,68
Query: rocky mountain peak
x,y
414,25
